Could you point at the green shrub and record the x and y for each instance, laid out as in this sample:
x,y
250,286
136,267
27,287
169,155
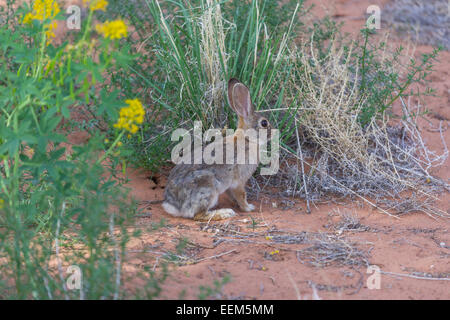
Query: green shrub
x,y
384,80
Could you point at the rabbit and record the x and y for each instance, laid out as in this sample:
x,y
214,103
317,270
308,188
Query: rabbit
x,y
192,190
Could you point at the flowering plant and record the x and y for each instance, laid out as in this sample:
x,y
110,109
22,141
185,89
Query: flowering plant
x,y
50,192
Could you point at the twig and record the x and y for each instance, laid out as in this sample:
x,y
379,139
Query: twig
x,y
315,295
308,209
215,256
60,270
49,293
297,291
413,276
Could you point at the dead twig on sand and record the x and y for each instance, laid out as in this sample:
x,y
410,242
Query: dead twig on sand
x,y
413,276
214,256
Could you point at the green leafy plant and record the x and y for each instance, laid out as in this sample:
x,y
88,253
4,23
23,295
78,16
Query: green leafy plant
x,y
60,204
214,292
381,79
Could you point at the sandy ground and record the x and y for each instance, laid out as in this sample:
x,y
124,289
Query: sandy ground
x,y
262,268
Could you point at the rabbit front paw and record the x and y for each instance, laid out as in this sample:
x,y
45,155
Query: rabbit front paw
x,y
249,208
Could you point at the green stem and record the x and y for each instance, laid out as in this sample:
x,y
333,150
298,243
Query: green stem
x,y
85,34
88,27
363,63
14,204
111,147
36,120
41,53
16,110
15,177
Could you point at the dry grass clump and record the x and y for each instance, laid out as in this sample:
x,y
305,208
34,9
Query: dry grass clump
x,y
213,55
331,104
426,22
378,159
319,249
350,222
324,248
329,249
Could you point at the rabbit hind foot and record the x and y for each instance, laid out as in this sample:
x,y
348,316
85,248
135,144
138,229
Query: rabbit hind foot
x,y
214,215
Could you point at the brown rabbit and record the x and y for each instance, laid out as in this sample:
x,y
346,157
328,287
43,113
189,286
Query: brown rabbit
x,y
193,189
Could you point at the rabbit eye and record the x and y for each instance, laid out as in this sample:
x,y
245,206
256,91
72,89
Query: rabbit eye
x,y
264,123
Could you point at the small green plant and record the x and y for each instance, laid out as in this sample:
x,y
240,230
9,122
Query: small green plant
x,y
255,222
215,292
382,81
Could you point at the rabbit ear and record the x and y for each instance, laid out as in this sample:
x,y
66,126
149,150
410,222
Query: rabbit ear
x,y
239,98
231,83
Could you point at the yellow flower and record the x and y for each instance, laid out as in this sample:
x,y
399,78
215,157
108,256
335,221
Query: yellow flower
x,y
97,4
131,116
269,237
274,252
43,10
113,29
49,30
28,17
